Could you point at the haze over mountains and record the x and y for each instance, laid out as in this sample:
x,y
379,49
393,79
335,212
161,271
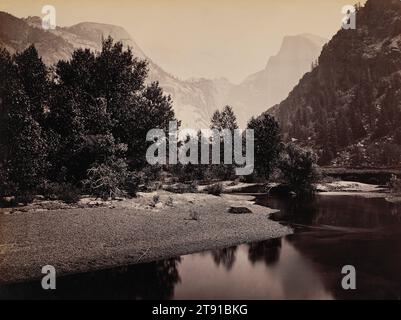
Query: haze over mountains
x,y
271,85
194,100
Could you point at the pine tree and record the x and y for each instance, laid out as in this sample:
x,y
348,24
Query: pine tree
x,y
225,119
26,159
6,68
33,75
152,110
356,124
23,144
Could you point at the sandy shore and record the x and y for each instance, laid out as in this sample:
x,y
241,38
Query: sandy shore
x,y
349,187
126,232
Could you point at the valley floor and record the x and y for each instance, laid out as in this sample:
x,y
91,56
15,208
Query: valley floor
x,y
143,229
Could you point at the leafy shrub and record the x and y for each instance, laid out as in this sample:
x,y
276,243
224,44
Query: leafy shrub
x,y
215,189
182,188
189,172
149,174
24,197
64,191
194,215
69,193
222,171
132,184
50,190
249,178
156,198
299,169
149,178
107,180
169,202
3,182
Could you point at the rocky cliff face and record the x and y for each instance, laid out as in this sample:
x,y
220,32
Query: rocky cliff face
x,y
283,71
349,107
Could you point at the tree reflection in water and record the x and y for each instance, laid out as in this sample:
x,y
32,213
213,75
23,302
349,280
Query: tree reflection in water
x,y
267,251
225,257
155,280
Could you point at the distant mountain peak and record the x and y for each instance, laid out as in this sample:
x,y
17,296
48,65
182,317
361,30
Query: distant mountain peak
x,y
270,86
292,45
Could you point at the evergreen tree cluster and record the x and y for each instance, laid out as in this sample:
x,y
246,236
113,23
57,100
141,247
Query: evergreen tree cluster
x,y
348,107
267,147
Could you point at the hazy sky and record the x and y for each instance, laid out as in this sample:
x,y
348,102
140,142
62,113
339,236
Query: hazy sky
x,y
201,38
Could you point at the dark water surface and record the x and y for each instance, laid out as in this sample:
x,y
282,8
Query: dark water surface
x,y
330,231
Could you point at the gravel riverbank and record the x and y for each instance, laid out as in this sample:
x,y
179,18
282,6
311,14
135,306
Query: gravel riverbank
x,y
148,228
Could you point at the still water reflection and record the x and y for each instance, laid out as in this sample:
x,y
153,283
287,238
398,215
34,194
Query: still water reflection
x,y
330,232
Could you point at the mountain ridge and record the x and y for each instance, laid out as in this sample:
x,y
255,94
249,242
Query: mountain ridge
x,y
348,108
54,45
194,99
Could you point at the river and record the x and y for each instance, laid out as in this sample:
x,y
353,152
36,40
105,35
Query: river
x,y
331,231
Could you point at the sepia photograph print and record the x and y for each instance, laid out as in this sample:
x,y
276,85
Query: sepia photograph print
x,y
205,150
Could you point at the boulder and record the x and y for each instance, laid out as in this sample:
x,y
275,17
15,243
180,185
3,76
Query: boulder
x,y
239,210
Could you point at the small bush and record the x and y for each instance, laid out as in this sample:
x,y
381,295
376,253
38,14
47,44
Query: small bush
x,y
25,198
249,178
69,193
182,188
150,173
194,215
132,183
107,180
156,198
188,172
66,192
170,202
222,172
50,190
215,189
3,183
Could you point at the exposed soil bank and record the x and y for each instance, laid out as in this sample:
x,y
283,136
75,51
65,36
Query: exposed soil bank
x,y
144,229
